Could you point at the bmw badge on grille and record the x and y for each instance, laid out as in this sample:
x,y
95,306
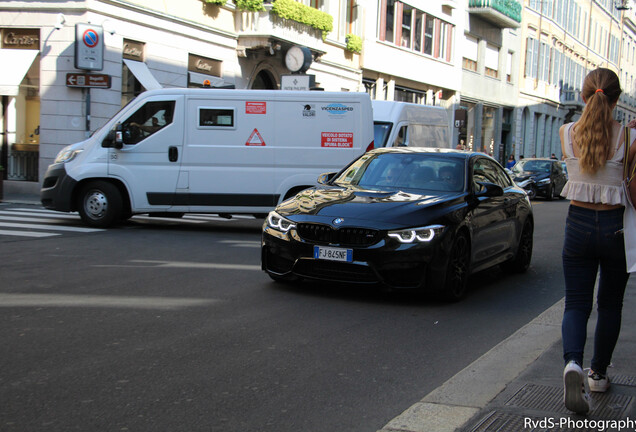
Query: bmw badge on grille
x,y
338,221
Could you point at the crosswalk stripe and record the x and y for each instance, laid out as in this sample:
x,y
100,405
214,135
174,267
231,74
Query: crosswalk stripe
x,y
31,219
40,215
27,233
49,227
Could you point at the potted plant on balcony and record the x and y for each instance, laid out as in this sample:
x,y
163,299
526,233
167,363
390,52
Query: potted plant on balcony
x,y
354,43
249,5
292,10
215,2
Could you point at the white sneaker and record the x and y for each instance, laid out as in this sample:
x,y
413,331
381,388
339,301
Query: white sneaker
x,y
575,397
598,382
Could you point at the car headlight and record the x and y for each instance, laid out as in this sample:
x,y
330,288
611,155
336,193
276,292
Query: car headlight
x,y
67,155
279,223
422,235
543,182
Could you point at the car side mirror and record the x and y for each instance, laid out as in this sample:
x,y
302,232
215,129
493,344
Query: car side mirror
x,y
114,138
489,190
325,178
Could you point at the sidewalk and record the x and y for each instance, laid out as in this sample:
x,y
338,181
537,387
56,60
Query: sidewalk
x,y
518,386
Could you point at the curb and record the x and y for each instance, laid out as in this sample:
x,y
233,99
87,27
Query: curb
x,y
452,405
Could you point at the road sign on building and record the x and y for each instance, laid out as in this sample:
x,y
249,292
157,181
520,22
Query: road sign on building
x,y
88,80
89,47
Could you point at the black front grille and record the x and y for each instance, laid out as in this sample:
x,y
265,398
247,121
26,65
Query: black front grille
x,y
336,271
349,236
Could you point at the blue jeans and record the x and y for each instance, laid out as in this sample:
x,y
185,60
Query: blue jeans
x,y
592,239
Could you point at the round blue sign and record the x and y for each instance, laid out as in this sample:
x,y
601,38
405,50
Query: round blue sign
x,y
90,38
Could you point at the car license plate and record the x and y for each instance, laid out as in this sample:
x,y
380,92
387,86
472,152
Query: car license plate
x,y
333,254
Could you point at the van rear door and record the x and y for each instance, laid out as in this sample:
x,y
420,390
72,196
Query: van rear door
x,y
152,151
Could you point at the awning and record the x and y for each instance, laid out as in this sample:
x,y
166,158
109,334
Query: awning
x,y
142,73
199,78
11,76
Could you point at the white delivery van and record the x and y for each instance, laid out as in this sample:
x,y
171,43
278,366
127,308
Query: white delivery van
x,y
219,151
407,124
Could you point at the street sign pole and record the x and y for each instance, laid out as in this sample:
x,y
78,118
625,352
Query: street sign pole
x,y
88,112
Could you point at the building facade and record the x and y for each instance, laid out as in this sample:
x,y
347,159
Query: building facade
x,y
509,72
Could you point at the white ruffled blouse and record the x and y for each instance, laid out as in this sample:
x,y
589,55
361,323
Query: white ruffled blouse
x,y
605,186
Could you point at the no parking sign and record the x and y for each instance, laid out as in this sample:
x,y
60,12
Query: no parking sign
x,y
89,47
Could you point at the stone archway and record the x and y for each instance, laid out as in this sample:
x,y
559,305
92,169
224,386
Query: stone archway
x,y
264,80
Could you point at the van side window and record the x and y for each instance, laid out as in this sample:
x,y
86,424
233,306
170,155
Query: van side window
x,y
147,120
223,117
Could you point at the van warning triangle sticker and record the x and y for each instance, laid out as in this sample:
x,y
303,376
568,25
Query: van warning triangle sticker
x,y
255,139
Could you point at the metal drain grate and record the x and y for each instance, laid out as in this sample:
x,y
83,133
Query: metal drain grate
x,y
605,405
496,421
625,380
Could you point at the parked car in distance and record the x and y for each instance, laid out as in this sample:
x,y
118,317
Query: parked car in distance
x,y
565,169
405,218
540,177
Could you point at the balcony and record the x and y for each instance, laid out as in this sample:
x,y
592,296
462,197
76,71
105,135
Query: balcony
x,y
258,30
501,13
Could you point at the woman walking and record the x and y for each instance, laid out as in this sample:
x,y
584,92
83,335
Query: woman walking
x,y
594,150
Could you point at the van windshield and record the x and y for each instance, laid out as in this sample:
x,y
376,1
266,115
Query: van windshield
x,y
381,131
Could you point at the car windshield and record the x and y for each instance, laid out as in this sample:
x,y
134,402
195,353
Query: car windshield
x,y
431,172
532,166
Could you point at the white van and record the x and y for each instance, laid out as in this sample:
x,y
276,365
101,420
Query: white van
x,y
406,124
181,151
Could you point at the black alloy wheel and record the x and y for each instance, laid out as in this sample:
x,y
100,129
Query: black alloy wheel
x,y
521,262
458,267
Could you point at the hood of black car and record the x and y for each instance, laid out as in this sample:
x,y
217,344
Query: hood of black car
x,y
527,174
366,207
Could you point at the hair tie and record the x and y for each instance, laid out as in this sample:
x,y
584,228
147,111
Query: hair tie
x,y
599,91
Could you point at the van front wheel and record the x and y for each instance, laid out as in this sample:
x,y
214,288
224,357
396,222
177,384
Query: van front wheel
x,y
99,204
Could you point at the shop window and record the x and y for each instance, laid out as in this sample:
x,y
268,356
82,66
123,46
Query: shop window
x,y
130,85
403,94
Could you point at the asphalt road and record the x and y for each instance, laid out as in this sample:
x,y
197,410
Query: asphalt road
x,y
171,326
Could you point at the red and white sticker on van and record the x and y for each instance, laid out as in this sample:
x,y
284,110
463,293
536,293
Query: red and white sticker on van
x,y
252,107
255,139
337,139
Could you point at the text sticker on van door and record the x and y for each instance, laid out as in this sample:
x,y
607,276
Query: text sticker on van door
x,y
255,139
337,139
255,107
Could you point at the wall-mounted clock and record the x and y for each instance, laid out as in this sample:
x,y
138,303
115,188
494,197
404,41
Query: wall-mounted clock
x,y
298,58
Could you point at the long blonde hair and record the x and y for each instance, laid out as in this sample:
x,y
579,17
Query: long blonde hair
x,y
593,131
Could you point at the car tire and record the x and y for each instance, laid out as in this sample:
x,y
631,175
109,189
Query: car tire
x,y
99,204
521,262
532,193
456,283
550,193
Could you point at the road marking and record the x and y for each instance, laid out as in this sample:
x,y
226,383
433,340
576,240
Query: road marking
x,y
451,405
181,264
26,234
41,215
73,300
48,227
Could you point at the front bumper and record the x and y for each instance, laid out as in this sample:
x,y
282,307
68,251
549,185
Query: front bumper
x,y
57,189
388,262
